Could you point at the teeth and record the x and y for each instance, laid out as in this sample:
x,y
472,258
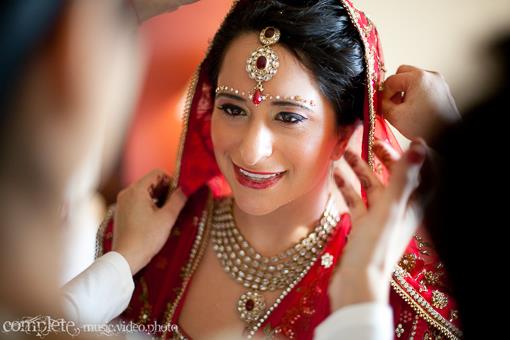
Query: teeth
x,y
257,176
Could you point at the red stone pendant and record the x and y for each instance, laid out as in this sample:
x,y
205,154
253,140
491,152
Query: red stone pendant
x,y
250,304
261,62
269,33
257,97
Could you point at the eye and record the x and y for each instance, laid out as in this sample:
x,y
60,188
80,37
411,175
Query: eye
x,y
290,117
232,110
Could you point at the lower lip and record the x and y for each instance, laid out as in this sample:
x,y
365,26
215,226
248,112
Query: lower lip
x,y
250,183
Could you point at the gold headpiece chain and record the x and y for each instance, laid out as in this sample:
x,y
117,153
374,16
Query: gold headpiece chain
x,y
263,63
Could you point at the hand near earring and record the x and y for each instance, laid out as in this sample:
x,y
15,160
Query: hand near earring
x,y
146,9
381,232
418,103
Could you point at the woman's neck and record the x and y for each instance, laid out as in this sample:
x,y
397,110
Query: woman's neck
x,y
279,230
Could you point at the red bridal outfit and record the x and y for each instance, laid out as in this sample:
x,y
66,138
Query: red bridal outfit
x,y
419,297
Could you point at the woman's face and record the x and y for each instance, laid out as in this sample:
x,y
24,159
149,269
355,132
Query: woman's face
x,y
280,150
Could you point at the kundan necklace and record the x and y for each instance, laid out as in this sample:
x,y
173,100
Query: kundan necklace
x,y
258,273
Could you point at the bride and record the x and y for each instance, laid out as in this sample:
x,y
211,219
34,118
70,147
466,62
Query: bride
x,y
284,89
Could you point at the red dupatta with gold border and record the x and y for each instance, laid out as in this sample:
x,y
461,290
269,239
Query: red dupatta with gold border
x,y
419,296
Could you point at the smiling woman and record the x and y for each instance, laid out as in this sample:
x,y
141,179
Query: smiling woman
x,y
272,107
280,144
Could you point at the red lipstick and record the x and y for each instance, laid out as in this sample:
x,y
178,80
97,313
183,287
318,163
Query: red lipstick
x,y
257,180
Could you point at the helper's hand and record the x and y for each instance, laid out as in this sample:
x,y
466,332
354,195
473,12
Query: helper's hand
x,y
381,232
146,9
418,102
145,214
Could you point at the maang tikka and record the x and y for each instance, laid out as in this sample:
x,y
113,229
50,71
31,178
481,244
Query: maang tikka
x,y
263,63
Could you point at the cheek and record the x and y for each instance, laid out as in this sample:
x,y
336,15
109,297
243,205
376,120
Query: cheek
x,y
216,131
311,154
222,134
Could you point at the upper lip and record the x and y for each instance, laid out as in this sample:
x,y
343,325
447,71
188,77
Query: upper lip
x,y
259,172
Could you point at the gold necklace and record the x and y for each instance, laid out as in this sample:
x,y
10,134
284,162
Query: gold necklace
x,y
259,273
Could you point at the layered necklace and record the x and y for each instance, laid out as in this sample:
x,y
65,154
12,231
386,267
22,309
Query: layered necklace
x,y
258,273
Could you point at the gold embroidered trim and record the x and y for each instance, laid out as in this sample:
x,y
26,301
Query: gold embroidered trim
x,y
399,330
408,262
197,252
185,122
421,306
100,231
146,311
439,299
432,278
370,71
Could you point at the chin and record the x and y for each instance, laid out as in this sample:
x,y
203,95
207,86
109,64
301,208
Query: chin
x,y
256,205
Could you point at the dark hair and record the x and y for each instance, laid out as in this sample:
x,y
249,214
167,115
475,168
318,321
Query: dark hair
x,y
319,33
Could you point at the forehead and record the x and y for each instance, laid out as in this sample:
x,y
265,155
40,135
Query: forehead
x,y
291,79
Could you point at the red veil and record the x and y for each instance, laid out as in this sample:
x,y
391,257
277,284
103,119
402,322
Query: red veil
x,y
419,297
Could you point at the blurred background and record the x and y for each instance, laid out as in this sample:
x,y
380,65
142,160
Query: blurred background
x,y
450,37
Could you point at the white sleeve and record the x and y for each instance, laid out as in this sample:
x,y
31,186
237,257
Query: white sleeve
x,y
364,321
101,292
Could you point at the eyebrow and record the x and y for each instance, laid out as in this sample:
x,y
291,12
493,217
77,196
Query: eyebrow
x,y
275,103
290,103
231,96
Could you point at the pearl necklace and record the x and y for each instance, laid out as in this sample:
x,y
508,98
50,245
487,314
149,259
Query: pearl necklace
x,y
256,272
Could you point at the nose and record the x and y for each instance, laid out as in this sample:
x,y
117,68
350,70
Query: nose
x,y
257,145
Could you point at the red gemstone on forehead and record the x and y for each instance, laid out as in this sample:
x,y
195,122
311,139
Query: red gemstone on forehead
x,y
250,304
261,62
257,97
269,33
